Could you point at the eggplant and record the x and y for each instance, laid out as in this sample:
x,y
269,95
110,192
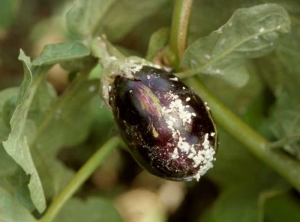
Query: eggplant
x,y
167,127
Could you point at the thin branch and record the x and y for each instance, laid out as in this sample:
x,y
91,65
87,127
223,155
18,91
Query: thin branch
x,y
81,176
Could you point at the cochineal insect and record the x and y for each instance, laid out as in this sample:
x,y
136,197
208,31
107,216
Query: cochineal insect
x,y
167,127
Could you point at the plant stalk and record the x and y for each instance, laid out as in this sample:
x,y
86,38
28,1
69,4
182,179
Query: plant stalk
x,y
179,31
105,51
81,176
286,166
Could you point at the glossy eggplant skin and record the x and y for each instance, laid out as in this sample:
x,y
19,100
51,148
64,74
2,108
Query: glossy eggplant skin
x,y
167,127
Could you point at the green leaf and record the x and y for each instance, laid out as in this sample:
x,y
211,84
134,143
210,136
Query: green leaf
x,y
93,209
286,121
243,188
116,23
284,65
158,41
229,170
52,123
19,181
84,16
8,11
293,7
66,123
54,175
11,210
55,53
77,65
60,175
283,207
17,144
233,160
281,72
7,165
49,123
5,97
68,119
237,204
249,33
243,203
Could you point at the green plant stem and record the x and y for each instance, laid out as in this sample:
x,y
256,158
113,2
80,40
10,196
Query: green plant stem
x,y
179,30
104,51
289,168
81,176
69,92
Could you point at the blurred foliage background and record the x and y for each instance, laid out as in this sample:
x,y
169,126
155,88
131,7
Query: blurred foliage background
x,y
239,188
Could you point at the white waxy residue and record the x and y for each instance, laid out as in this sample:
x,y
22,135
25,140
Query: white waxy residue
x,y
92,88
175,154
174,79
206,105
57,114
262,30
177,115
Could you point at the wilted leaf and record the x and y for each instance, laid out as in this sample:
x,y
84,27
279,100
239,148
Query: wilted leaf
x,y
11,210
17,144
249,33
60,52
93,209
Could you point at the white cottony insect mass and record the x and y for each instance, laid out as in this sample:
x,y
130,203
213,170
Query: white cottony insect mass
x,y
174,79
202,157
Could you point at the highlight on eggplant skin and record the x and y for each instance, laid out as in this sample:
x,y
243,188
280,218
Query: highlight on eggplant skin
x,y
168,129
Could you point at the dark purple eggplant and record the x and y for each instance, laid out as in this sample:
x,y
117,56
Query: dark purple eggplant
x,y
168,129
